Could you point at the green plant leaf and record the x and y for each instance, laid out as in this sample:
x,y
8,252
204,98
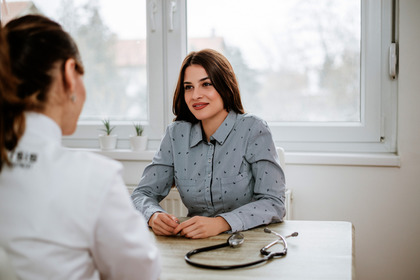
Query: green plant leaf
x,y
139,128
108,128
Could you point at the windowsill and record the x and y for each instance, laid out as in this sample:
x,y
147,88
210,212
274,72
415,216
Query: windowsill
x,y
346,159
122,154
292,158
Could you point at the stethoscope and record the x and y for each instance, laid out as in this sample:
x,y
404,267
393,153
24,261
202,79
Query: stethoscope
x,y
235,240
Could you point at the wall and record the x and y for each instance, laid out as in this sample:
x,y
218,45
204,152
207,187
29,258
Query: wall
x,y
382,203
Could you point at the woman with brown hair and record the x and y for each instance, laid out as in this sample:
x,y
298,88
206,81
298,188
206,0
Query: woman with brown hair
x,y
63,214
223,161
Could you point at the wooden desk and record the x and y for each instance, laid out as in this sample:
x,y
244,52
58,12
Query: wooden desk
x,y
323,250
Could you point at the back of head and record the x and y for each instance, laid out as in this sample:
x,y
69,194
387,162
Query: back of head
x,y
31,46
36,44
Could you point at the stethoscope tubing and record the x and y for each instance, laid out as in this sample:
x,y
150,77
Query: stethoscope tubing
x,y
226,267
267,256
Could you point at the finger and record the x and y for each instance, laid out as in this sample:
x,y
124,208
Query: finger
x,y
160,224
179,228
192,230
184,225
163,229
196,233
160,231
170,220
174,218
199,227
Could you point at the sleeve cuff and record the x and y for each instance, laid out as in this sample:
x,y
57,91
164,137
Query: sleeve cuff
x,y
233,220
151,210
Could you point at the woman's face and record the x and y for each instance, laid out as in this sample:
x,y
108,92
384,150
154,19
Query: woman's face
x,y
204,102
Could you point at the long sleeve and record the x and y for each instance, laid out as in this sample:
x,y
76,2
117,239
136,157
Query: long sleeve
x,y
156,181
268,195
123,246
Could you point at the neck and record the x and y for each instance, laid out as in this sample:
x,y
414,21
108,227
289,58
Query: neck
x,y
211,125
53,113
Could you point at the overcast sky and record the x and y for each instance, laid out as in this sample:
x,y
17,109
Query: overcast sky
x,y
259,30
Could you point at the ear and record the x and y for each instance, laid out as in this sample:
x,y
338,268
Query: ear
x,y
70,74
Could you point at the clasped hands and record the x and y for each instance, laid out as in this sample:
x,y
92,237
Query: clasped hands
x,y
195,227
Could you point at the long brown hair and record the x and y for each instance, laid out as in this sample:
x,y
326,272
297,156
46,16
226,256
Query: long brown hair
x,y
30,46
222,76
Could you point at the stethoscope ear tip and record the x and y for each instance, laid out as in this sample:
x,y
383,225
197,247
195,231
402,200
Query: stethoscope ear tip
x,y
267,230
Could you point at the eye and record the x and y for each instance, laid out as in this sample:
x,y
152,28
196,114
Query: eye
x,y
207,84
187,87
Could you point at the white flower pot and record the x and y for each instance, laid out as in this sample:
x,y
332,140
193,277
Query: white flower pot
x,y
108,142
138,143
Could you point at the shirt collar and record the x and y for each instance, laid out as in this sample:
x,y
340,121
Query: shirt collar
x,y
43,126
220,135
196,135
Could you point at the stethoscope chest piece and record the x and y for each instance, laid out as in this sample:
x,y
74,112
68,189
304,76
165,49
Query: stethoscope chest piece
x,y
237,239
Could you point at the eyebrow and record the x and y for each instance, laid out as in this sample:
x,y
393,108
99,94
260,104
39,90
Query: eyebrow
x,y
203,79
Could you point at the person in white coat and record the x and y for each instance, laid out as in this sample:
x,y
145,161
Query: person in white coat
x,y
63,214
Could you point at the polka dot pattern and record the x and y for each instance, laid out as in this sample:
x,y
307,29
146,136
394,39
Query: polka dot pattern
x,y
236,175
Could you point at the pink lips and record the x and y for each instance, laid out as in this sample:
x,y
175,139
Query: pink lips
x,y
199,106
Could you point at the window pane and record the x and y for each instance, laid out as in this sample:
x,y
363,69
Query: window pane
x,y
296,60
111,36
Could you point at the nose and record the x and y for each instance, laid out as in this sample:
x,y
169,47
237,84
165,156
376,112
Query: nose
x,y
196,94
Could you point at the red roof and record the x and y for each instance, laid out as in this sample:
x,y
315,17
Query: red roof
x,y
133,52
11,10
215,43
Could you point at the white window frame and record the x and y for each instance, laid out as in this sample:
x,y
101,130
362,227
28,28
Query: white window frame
x,y
167,46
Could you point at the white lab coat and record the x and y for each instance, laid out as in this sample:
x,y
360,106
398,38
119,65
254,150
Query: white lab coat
x,y
67,215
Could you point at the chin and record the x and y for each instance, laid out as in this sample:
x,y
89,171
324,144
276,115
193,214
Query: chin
x,y
200,117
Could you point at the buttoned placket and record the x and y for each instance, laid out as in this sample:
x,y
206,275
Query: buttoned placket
x,y
209,175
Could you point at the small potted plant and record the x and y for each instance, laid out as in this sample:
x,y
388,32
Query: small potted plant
x,y
107,141
138,142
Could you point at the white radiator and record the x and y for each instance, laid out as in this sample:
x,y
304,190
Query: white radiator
x,y
173,204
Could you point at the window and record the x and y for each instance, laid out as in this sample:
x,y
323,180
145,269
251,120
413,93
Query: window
x,y
111,36
304,68
316,70
298,61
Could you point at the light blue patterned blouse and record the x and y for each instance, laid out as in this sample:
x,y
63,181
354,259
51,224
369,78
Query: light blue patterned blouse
x,y
236,175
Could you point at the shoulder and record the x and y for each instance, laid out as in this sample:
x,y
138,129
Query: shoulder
x,y
248,117
93,163
179,128
251,121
